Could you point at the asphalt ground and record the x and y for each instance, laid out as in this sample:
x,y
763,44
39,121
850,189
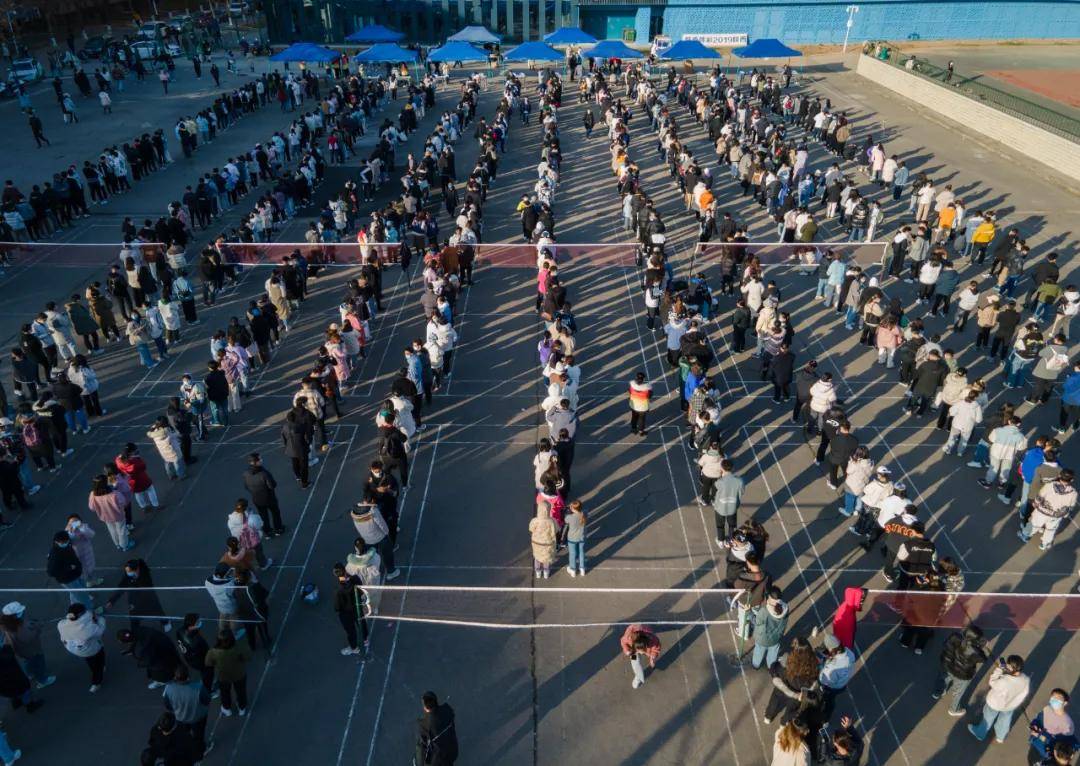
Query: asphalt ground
x,y
549,695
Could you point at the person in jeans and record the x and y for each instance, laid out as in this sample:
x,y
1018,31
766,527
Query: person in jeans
x,y
1009,687
770,623
727,494
64,567
638,641
575,522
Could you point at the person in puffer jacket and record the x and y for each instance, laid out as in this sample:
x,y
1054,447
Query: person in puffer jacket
x,y
1006,442
365,564
1070,401
1051,507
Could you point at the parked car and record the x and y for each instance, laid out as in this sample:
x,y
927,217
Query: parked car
x,y
152,30
238,8
95,47
26,70
147,50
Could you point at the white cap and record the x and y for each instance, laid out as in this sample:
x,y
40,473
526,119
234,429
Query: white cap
x,y
14,608
884,469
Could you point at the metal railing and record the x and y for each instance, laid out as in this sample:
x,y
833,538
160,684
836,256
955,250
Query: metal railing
x,y
971,86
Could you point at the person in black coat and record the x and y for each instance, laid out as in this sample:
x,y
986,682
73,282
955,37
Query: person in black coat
x,y
830,427
391,448
137,584
253,605
180,419
804,380
171,744
217,394
297,434
14,683
841,448
153,650
741,319
782,372
193,647
260,484
929,378
436,738
385,489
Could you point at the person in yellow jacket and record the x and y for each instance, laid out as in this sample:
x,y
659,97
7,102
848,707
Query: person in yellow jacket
x,y
982,237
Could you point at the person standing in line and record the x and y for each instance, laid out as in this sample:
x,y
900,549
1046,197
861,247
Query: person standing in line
x,y
1052,504
181,421
80,633
790,744
640,396
247,527
375,530
189,701
64,567
1051,728
727,495
131,465
961,657
638,641
544,534
108,505
24,636
151,649
436,738
260,483
167,441
1008,688
82,541
348,606
297,434
770,624
137,584
575,521
229,659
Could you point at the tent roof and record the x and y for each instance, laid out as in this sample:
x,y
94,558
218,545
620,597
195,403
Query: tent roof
x,y
689,49
766,48
457,51
375,33
533,51
386,52
306,52
474,34
614,49
569,36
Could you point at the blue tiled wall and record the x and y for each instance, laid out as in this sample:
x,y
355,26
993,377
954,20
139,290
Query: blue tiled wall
x,y
641,23
822,21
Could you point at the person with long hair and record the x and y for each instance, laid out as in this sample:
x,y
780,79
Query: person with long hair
x,y
795,677
789,744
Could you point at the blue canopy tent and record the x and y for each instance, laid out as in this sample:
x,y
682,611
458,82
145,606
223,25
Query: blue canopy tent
x,y
533,51
457,51
765,48
613,49
389,53
375,33
569,36
306,52
474,34
689,49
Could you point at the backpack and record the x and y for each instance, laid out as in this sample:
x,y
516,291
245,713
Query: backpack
x,y
249,538
31,434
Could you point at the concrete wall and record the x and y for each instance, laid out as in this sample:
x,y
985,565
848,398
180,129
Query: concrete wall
x,y
1040,145
822,21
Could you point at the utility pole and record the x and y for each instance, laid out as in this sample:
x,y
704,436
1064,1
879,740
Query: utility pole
x,y
851,11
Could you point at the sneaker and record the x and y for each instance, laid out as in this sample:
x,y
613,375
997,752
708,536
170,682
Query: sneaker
x,y
168,627
34,489
986,484
581,573
154,685
854,531
1044,546
1021,536
313,460
547,574
94,688
636,683
242,712
766,720
269,563
971,730
832,486
974,464
393,575
537,574
571,572
956,713
945,449
918,651
1001,498
719,542
935,695
226,712
346,652
47,682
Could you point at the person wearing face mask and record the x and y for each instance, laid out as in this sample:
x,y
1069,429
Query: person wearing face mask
x,y
193,647
1051,726
770,624
138,586
64,567
349,606
1009,687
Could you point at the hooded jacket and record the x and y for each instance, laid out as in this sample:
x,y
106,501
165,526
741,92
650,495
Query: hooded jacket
x,y
963,653
769,627
1005,442
843,623
822,396
82,637
1056,499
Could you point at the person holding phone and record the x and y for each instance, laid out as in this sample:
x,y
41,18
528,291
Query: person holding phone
x,y
640,642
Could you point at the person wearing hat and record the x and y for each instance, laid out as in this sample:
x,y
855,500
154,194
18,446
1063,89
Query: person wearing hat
x,y
837,667
24,637
80,633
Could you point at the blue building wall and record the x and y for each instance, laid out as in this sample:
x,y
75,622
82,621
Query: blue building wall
x,y
641,24
822,21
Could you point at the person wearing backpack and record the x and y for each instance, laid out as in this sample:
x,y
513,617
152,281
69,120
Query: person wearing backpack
x,y
35,438
1053,361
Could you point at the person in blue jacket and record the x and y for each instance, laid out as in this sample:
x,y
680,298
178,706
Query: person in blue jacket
x,y
1070,401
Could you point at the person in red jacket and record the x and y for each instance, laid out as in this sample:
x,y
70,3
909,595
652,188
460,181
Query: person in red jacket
x,y
843,622
131,465
636,642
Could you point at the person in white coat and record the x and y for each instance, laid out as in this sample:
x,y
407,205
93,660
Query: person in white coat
x,y
80,633
1006,442
167,441
247,526
170,318
60,329
966,414
822,397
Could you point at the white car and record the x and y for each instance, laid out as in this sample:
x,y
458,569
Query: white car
x,y
237,8
147,50
26,70
152,30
